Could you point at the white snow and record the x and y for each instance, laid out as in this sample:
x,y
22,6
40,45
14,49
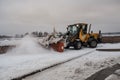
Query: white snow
x,y
29,56
13,41
110,46
80,68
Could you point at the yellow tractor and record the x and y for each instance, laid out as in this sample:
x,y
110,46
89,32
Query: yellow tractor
x,y
79,35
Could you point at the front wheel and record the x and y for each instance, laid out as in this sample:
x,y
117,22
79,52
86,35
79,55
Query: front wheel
x,y
93,44
78,45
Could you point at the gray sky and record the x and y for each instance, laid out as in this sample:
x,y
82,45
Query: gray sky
x,y
20,16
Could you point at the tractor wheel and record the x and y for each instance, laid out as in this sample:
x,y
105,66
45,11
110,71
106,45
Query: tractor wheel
x,y
77,45
93,43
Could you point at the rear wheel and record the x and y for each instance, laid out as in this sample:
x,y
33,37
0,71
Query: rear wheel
x,y
78,45
93,43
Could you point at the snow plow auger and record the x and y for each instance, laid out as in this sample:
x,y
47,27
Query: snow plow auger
x,y
55,41
77,35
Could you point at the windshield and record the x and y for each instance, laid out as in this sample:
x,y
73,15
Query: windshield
x,y
73,30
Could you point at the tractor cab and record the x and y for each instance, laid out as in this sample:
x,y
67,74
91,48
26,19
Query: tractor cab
x,y
75,28
77,36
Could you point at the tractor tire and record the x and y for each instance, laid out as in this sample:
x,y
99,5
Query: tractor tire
x,y
93,43
78,45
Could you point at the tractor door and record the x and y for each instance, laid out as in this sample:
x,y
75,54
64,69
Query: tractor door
x,y
72,30
84,29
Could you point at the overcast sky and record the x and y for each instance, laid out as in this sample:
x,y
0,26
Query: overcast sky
x,y
20,16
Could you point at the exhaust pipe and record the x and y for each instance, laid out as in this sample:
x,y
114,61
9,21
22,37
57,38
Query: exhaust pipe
x,y
89,28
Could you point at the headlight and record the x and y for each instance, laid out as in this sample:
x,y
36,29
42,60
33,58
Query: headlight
x,y
77,25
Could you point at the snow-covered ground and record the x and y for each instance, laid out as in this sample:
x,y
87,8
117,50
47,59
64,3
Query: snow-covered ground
x,y
78,69
29,56
110,46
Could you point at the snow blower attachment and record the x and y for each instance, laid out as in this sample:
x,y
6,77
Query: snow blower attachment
x,y
55,41
59,46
